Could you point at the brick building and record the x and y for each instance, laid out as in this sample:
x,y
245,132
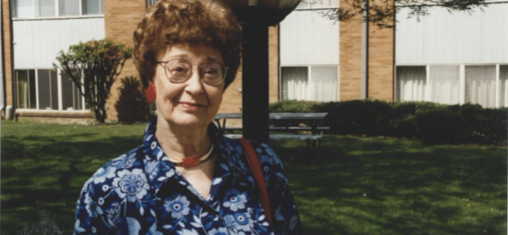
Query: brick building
x,y
310,56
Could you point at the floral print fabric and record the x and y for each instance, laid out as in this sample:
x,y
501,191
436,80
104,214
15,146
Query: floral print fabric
x,y
141,192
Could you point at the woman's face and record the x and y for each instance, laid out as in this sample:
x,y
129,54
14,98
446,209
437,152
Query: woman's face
x,y
192,103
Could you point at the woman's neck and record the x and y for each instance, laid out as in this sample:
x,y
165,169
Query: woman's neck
x,y
182,142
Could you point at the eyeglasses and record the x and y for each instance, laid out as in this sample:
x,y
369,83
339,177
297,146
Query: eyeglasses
x,y
179,71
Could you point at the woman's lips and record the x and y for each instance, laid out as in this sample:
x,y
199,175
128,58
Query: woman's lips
x,y
191,105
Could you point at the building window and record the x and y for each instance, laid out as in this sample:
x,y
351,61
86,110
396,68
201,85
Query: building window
x,y
486,85
68,7
92,7
315,83
45,8
73,99
47,89
25,92
444,84
150,2
503,86
43,89
481,85
22,8
410,83
56,8
294,83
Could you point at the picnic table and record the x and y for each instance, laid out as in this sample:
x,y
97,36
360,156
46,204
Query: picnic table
x,y
291,131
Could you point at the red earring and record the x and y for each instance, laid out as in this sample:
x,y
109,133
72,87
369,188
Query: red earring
x,y
150,93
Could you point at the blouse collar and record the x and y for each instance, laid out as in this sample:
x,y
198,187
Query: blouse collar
x,y
159,169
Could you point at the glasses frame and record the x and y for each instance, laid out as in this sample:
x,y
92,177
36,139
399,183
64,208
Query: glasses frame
x,y
164,64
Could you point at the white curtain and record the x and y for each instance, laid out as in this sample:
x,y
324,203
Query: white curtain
x,y
294,83
411,83
444,82
69,7
25,89
481,85
22,89
45,8
503,86
324,83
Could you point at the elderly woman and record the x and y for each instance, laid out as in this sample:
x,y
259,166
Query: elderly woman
x,y
186,177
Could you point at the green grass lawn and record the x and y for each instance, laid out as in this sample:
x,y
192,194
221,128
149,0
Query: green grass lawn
x,y
355,186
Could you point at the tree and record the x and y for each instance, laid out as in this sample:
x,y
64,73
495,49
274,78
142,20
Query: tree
x,y
93,67
382,12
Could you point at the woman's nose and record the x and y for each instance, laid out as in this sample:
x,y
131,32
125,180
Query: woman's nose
x,y
195,84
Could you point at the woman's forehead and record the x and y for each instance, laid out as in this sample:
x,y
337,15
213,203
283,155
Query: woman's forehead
x,y
200,52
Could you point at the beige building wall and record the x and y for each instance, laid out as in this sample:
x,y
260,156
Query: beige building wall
x,y
121,18
381,61
7,50
381,58
273,73
232,98
350,57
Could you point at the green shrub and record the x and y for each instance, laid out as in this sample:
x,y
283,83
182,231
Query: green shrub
x,y
438,126
296,106
358,117
429,122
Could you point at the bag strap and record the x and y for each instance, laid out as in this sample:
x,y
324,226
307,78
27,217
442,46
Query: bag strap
x,y
255,167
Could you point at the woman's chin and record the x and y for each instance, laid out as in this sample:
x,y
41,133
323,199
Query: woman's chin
x,y
188,121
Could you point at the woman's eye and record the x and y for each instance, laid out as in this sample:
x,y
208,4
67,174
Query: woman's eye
x,y
211,70
179,70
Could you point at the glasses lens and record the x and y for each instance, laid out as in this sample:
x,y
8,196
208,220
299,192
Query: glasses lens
x,y
212,73
178,70
181,70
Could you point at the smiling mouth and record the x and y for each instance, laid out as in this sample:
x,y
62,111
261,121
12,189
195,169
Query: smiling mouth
x,y
191,105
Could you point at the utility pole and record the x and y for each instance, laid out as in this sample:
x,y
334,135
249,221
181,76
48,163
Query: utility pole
x,y
365,50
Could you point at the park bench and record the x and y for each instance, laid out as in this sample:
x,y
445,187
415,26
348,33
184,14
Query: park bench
x,y
311,134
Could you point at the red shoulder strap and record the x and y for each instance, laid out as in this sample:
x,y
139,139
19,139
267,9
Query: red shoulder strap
x,y
255,167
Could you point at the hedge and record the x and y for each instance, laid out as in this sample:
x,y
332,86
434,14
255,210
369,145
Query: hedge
x,y
429,122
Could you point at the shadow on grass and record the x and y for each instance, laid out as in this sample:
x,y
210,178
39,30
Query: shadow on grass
x,y
42,177
391,186
355,186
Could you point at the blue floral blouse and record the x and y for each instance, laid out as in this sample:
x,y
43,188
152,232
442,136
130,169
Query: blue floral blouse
x,y
141,192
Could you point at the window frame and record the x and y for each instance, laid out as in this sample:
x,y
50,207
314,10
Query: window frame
x,y
309,77
462,81
57,15
29,94
59,93
149,3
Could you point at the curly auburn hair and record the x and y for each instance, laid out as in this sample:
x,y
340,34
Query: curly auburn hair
x,y
167,22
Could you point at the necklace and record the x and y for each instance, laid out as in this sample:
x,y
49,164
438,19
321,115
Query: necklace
x,y
192,161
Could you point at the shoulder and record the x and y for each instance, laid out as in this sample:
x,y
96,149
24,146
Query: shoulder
x,y
108,174
271,164
99,201
267,156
